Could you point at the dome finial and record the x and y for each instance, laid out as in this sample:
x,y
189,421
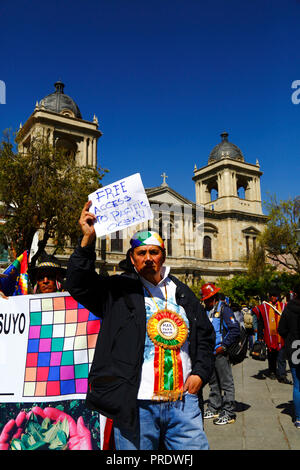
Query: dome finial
x,y
224,136
59,102
225,149
59,85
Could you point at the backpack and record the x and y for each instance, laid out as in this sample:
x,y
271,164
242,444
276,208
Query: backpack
x,y
248,319
259,351
237,351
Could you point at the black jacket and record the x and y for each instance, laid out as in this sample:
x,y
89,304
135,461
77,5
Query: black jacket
x,y
119,300
289,326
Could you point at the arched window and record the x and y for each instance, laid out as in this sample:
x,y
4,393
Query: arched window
x,y
214,194
68,146
207,247
250,234
169,236
247,247
241,192
103,247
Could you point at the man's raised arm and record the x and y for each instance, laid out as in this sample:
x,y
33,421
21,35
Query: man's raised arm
x,y
82,281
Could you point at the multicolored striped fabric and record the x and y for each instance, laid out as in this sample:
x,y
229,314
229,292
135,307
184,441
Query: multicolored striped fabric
x,y
21,287
270,320
146,237
48,264
16,280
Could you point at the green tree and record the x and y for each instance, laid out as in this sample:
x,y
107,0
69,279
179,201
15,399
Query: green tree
x,y
249,289
279,239
278,243
42,189
240,288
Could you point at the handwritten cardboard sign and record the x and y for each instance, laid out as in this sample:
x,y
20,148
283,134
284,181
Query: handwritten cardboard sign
x,y
120,205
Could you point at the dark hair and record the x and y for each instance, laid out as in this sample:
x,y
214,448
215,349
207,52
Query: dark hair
x,y
126,264
235,307
274,292
296,289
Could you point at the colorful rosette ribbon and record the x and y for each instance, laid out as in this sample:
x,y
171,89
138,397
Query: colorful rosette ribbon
x,y
168,331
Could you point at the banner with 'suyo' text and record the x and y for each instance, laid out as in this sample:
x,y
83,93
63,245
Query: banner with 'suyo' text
x,y
47,344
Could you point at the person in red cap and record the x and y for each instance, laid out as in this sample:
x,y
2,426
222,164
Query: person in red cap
x,y
221,400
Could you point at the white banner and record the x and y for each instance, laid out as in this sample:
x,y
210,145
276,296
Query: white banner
x,y
120,205
47,344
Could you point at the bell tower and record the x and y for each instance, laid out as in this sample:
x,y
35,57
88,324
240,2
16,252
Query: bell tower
x,y
228,182
229,190
58,119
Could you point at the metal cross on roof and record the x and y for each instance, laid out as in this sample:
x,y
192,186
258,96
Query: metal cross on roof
x,y
164,176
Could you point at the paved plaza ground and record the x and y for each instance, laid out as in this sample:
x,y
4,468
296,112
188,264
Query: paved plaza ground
x,y
264,413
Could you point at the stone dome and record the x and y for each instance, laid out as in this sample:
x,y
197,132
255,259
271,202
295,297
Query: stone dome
x,y
60,103
225,149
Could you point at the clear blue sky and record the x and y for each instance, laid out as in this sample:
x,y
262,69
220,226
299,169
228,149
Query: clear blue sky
x,y
165,78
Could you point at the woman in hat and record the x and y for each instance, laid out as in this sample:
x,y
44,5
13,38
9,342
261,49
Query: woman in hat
x,y
47,276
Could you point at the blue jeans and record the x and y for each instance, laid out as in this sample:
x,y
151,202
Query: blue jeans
x,y
295,371
177,424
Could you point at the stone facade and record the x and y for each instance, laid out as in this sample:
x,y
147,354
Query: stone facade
x,y
57,118
208,238
211,237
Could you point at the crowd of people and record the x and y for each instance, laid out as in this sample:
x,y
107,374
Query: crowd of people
x,y
159,345
273,324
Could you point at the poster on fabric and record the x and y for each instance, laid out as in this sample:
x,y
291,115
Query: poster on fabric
x,y
120,205
47,345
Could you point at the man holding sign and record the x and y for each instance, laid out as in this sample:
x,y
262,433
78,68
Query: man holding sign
x,y
155,347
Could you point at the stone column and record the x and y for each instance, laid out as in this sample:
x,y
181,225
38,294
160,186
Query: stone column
x,y
220,189
81,155
206,197
250,190
94,163
88,151
197,192
83,152
226,186
51,137
258,193
200,193
234,184
223,182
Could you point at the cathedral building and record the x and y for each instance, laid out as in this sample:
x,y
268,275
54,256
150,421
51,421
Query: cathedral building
x,y
207,238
